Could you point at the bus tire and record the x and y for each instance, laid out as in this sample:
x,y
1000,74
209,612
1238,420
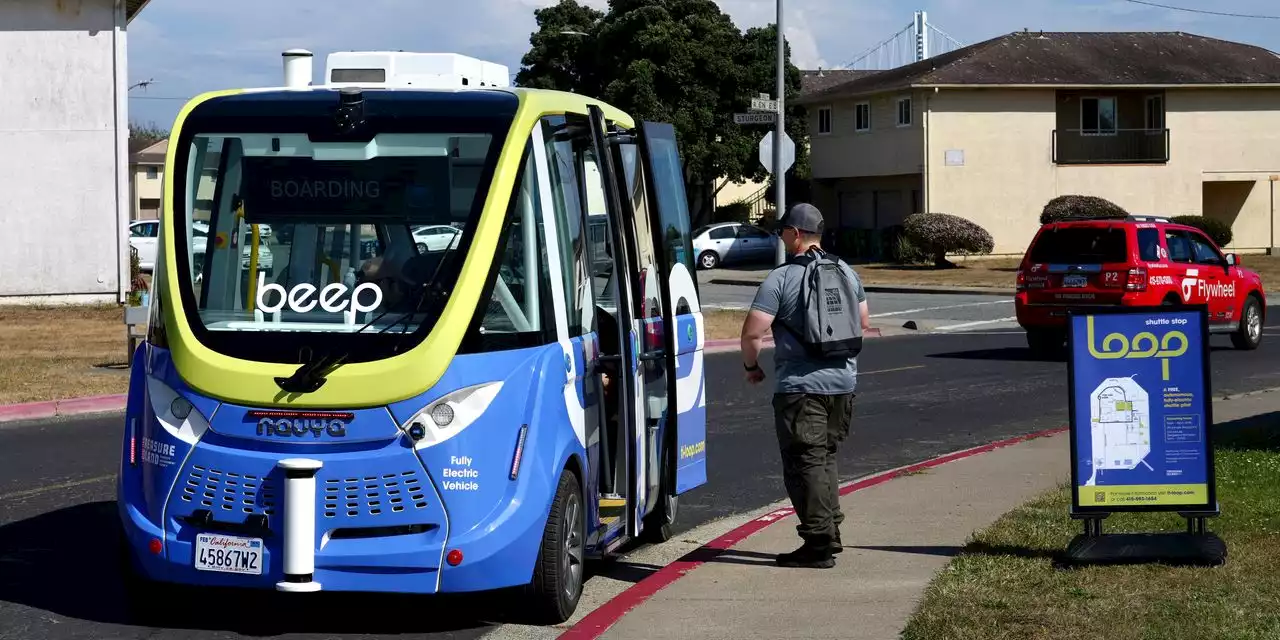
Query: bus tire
x,y
659,525
559,571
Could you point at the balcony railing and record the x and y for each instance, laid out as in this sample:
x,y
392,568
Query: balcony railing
x,y
1115,146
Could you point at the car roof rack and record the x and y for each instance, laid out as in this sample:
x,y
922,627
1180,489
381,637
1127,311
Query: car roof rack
x,y
1147,218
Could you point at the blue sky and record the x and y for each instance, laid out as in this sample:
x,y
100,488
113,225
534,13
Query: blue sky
x,y
190,46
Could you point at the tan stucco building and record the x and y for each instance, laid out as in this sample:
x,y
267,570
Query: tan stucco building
x,y
146,179
1160,123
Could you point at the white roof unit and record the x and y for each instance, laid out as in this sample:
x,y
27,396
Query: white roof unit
x,y
409,69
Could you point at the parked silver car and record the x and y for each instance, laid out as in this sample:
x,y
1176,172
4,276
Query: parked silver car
x,y
732,242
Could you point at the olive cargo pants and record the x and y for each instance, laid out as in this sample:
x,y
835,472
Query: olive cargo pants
x,y
810,429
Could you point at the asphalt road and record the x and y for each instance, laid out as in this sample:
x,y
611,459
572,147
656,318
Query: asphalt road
x,y
919,396
935,312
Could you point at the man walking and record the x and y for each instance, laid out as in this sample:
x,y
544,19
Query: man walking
x,y
809,303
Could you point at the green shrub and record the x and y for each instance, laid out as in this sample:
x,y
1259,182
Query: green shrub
x,y
937,234
896,248
1073,207
737,211
136,284
1218,230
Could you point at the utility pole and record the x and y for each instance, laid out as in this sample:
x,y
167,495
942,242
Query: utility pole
x,y
780,255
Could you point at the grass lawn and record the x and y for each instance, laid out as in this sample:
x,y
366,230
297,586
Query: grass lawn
x,y
49,353
1004,585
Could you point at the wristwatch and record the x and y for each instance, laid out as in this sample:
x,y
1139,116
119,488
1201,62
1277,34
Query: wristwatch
x,y
754,367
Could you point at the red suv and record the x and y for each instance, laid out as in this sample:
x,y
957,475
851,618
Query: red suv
x,y
1135,261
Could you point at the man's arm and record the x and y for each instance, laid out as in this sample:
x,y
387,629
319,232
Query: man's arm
x,y
759,318
866,316
753,330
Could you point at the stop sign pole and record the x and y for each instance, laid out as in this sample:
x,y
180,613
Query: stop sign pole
x,y
779,174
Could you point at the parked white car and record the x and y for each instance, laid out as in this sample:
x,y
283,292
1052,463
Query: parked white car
x,y
730,242
436,237
143,235
200,240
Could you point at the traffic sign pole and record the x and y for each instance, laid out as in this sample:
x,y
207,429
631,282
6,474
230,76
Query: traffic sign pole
x,y
780,175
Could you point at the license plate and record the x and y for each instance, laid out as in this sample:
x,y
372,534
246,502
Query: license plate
x,y
1075,281
228,554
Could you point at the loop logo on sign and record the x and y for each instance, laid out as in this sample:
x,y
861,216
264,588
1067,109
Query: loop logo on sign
x,y
332,297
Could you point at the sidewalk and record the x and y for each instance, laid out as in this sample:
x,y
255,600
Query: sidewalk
x,y
898,535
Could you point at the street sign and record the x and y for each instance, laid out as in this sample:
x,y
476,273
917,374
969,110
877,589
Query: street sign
x,y
764,104
755,118
788,152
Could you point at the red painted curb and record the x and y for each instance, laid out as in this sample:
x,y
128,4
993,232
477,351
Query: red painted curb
x,y
66,407
594,624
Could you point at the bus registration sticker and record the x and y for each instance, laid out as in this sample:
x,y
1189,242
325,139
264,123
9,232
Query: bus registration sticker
x,y
228,554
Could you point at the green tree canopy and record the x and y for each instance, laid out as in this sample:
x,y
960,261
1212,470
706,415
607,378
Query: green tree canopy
x,y
677,61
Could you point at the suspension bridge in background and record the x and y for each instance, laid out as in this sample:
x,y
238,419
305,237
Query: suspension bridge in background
x,y
919,40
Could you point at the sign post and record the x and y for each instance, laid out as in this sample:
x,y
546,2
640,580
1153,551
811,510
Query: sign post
x,y
1141,431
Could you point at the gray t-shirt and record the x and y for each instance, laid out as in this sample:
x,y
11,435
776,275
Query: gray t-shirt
x,y
794,370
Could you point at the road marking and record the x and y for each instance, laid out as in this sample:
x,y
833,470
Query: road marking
x,y
53,487
867,373
964,325
940,308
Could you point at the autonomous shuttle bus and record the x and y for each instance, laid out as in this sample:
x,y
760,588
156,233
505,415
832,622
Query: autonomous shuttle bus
x,y
370,414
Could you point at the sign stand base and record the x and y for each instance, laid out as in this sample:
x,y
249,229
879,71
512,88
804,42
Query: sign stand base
x,y
1196,547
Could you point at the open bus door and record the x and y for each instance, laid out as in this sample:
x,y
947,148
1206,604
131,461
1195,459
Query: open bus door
x,y
650,225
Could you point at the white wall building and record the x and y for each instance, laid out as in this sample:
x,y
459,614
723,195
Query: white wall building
x,y
64,128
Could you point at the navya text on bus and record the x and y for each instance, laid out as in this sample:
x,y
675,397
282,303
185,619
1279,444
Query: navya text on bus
x,y
370,410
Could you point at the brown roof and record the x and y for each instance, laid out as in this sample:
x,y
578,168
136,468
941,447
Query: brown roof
x,y
822,79
152,154
1078,58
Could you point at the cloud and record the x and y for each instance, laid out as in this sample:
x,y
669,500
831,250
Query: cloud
x,y
190,47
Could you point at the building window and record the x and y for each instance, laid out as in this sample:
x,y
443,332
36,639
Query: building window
x,y
862,116
824,120
904,112
1098,116
1155,112
152,173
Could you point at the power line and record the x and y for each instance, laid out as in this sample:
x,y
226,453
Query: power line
x,y
1204,11
157,98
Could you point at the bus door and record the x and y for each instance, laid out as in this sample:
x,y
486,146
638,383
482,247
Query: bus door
x,y
630,252
681,311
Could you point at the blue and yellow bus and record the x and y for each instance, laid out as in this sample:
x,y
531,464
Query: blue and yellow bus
x,y
375,413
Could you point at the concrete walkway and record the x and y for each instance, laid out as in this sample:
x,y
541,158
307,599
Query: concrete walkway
x,y
898,535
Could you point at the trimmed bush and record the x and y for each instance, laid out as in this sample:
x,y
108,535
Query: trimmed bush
x,y
1073,207
737,211
896,248
1216,229
938,234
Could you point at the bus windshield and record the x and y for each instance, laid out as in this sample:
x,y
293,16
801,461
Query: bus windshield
x,y
357,243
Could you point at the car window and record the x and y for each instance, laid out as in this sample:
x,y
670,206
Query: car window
x,y
1149,245
1179,245
1081,244
752,232
722,233
1205,253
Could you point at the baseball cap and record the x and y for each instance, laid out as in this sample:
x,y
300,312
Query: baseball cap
x,y
805,217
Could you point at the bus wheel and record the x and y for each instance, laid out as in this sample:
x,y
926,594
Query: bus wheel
x,y
558,574
658,525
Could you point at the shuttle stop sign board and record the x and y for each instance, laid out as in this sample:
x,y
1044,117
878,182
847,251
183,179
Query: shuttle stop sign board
x,y
788,152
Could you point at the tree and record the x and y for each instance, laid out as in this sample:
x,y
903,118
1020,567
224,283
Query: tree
x,y
142,136
677,61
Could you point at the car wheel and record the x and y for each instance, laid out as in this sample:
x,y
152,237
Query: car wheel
x,y
708,260
1249,335
422,248
559,571
1046,342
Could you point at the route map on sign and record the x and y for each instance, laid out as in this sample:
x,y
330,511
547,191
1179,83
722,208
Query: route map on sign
x,y
1121,426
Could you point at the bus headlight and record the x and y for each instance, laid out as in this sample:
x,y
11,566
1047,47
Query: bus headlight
x,y
449,415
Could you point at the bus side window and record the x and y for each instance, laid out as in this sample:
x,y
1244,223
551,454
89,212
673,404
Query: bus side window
x,y
516,313
598,238
565,183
